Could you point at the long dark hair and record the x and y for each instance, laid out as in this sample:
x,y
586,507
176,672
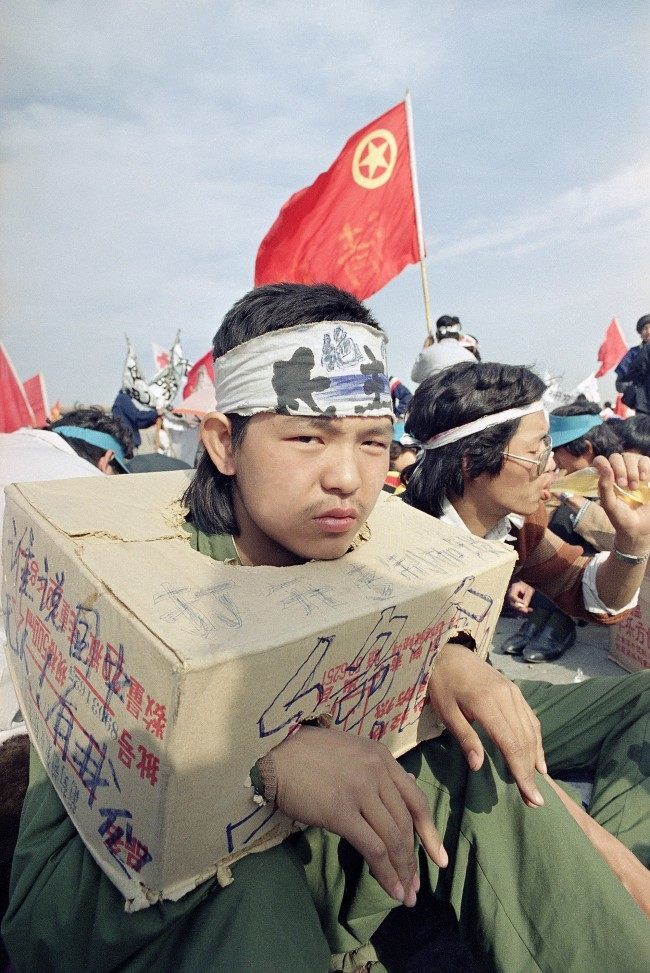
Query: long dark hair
x,y
269,308
453,397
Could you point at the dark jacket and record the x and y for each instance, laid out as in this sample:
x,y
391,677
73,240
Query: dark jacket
x,y
633,378
133,416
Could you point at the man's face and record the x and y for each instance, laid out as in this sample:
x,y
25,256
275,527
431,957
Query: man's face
x,y
568,462
304,486
645,333
517,488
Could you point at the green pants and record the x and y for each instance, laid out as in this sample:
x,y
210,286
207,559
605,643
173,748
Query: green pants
x,y
530,892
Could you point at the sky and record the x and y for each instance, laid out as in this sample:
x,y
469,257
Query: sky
x,y
147,147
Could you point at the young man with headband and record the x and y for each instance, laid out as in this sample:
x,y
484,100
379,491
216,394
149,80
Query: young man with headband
x,y
294,462
486,467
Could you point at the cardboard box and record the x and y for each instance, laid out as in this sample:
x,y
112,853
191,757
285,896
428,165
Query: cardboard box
x,y
152,678
630,640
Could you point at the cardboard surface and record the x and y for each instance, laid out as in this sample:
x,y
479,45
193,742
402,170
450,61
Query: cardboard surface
x,y
152,678
630,641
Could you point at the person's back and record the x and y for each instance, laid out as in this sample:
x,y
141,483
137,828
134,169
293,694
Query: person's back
x,y
633,371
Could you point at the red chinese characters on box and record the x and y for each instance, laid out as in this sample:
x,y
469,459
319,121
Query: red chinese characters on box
x,y
630,640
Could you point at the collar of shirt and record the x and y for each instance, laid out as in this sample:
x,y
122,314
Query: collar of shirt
x,y
500,532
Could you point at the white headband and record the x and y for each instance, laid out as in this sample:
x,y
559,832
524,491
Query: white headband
x,y
478,425
335,368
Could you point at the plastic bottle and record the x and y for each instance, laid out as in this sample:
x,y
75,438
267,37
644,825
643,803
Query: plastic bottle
x,y
584,483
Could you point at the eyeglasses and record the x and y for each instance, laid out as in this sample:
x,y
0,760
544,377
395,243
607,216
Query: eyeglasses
x,y
541,462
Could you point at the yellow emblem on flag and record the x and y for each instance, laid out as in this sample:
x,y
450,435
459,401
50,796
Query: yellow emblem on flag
x,y
374,159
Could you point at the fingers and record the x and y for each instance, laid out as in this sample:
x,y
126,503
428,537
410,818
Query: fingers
x,y
420,816
393,859
372,847
628,470
515,730
519,596
466,735
382,831
526,597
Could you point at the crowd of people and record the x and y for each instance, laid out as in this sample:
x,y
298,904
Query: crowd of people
x,y
465,853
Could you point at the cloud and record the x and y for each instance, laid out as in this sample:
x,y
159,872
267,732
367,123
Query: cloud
x,y
597,208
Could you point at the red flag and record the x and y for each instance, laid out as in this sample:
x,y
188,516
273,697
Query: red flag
x,y
355,226
200,375
620,409
37,398
15,411
612,349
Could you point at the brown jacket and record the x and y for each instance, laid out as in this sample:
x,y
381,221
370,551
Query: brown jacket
x,y
556,568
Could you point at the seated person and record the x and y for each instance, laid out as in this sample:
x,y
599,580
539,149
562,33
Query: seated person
x,y
403,453
578,434
448,348
84,442
281,483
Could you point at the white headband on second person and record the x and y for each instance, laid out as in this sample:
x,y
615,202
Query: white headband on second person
x,y
331,368
478,425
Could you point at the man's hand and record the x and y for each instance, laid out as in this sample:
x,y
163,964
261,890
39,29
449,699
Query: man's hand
x,y
355,788
629,471
519,596
463,688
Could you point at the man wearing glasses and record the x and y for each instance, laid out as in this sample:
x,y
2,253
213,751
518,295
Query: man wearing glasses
x,y
486,468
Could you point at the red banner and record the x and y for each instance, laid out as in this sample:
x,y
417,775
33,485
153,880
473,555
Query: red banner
x,y
200,375
355,225
37,398
15,411
612,349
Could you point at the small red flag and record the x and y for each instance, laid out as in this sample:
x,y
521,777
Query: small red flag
x,y
612,349
37,398
15,411
355,226
620,409
200,375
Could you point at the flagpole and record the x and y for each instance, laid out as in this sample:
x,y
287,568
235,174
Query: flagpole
x,y
418,213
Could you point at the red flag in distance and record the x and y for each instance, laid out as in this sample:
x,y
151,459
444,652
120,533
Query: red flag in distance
x,y
37,397
612,349
15,411
200,375
355,226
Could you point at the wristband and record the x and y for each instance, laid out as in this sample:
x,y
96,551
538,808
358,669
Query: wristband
x,y
630,558
579,514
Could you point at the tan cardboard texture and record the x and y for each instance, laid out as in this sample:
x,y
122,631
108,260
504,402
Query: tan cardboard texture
x,y
630,640
152,678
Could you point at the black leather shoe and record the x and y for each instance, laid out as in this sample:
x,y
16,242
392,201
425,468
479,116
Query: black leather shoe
x,y
552,641
515,643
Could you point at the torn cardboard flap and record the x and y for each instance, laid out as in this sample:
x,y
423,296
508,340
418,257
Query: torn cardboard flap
x,y
152,678
138,507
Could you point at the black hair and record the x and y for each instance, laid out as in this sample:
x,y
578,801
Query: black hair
x,y
93,417
603,437
641,323
454,396
633,433
272,307
446,321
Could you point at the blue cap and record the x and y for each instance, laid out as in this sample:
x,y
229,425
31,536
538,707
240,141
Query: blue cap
x,y
564,429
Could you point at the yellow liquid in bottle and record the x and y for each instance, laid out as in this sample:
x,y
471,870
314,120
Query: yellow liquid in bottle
x,y
584,483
